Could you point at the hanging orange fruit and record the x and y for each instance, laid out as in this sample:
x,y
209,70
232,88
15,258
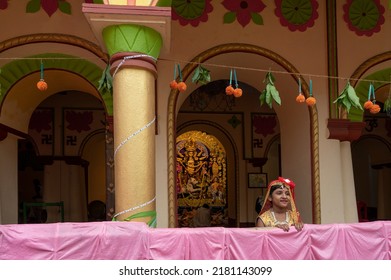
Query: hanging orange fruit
x,y
173,84
310,101
368,105
300,98
374,109
42,85
229,90
238,92
182,86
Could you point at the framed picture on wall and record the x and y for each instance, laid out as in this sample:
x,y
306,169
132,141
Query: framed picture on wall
x,y
257,180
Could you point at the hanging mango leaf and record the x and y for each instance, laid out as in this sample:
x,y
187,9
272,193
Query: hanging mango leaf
x,y
348,98
201,75
151,214
106,82
387,103
270,93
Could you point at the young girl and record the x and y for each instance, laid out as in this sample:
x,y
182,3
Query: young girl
x,y
279,209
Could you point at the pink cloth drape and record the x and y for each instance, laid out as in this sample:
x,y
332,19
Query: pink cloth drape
x,y
133,240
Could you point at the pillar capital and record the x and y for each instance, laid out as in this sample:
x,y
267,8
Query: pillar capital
x,y
132,38
151,22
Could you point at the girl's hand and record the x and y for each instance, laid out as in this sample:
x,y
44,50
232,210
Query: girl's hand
x,y
284,227
299,226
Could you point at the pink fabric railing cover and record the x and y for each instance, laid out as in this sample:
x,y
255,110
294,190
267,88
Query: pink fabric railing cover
x,y
136,241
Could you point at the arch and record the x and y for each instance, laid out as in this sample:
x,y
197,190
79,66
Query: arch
x,y
361,87
375,137
171,119
88,138
53,38
15,70
370,155
234,147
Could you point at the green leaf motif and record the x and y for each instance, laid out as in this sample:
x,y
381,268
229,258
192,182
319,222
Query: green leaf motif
x,y
348,98
275,95
355,100
229,17
270,93
262,97
387,105
201,75
65,7
33,6
164,3
346,103
106,82
132,38
257,18
152,214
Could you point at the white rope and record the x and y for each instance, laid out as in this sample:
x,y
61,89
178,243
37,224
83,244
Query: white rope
x,y
131,57
134,134
135,207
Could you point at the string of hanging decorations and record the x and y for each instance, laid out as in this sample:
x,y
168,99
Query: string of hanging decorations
x,y
345,100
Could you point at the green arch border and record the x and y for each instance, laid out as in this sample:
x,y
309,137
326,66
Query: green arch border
x,y
361,85
12,72
362,88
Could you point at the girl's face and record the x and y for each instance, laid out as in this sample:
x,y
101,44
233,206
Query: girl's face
x,y
280,198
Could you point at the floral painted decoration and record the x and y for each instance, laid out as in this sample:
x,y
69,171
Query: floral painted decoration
x,y
3,4
49,6
265,124
364,17
244,11
297,15
191,12
79,121
41,120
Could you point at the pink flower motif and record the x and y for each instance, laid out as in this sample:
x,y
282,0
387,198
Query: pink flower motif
x,y
41,120
49,6
79,121
265,125
245,11
3,4
191,12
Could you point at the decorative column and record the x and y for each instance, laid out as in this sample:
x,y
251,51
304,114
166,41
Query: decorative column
x,y
349,192
133,50
133,36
